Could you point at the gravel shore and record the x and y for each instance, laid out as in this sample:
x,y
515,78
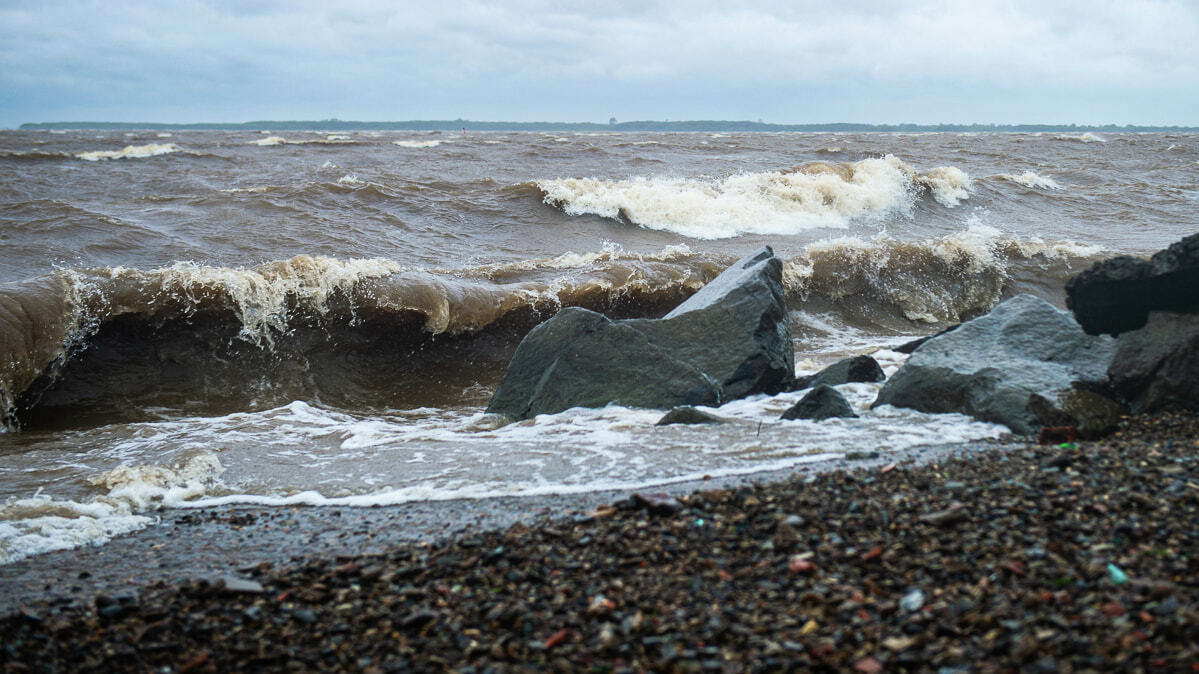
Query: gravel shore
x,y
1071,558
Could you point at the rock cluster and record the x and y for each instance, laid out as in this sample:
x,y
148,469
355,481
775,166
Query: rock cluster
x,y
1027,365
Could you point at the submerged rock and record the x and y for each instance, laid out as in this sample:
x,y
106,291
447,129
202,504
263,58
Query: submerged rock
x,y
822,402
1116,295
729,340
1017,366
854,369
1157,367
685,414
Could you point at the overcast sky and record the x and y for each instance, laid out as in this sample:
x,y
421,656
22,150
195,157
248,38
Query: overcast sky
x,y
792,61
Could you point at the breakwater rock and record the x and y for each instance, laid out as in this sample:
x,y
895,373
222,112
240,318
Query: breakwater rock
x,y
729,340
1116,295
1017,365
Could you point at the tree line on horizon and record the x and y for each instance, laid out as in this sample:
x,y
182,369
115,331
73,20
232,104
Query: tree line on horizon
x,y
612,125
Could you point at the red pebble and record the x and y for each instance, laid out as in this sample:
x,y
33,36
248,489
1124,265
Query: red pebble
x,y
556,638
1113,610
872,553
868,666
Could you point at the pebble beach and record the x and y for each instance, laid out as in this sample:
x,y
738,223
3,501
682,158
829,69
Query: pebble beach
x,y
1075,557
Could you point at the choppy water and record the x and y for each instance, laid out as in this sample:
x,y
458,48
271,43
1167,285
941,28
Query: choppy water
x,y
198,318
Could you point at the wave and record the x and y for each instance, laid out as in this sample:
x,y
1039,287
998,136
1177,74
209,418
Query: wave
x,y
1087,137
416,143
33,155
130,152
1032,180
814,195
331,139
94,345
882,282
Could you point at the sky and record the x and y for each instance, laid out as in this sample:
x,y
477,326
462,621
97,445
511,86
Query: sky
x,y
791,61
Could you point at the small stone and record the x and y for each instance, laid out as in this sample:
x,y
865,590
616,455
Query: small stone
x,y
233,584
658,504
799,564
868,666
912,601
1116,575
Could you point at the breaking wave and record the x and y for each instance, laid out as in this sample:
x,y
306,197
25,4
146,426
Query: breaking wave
x,y
1032,180
331,139
416,143
130,152
815,195
112,342
1087,137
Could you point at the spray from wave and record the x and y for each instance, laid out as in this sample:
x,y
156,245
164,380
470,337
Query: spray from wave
x,y
815,195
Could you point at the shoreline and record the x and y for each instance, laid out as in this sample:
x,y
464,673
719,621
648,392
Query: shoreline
x,y
1014,557
198,544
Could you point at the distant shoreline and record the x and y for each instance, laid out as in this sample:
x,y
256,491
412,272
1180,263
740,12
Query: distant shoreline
x,y
635,126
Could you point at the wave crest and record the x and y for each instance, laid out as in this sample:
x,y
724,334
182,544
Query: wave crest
x,y
130,152
814,195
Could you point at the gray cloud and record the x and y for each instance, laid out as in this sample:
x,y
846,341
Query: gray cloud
x,y
1013,61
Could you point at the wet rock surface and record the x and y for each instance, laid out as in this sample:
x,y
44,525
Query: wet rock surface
x,y
1117,295
729,340
1011,366
685,414
1078,558
1157,367
845,371
822,402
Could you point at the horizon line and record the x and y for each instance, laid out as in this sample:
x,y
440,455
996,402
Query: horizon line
x,y
611,125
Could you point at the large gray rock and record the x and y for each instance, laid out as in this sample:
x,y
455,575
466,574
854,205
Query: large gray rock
x,y
1157,367
1016,366
1116,295
729,340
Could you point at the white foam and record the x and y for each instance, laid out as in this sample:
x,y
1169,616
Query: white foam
x,y
817,195
1087,137
1032,180
130,152
350,180
949,185
39,524
269,140
417,143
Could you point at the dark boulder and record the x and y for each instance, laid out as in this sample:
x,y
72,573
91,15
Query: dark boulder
x,y
822,402
1156,368
685,414
1017,365
1116,295
855,369
729,340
